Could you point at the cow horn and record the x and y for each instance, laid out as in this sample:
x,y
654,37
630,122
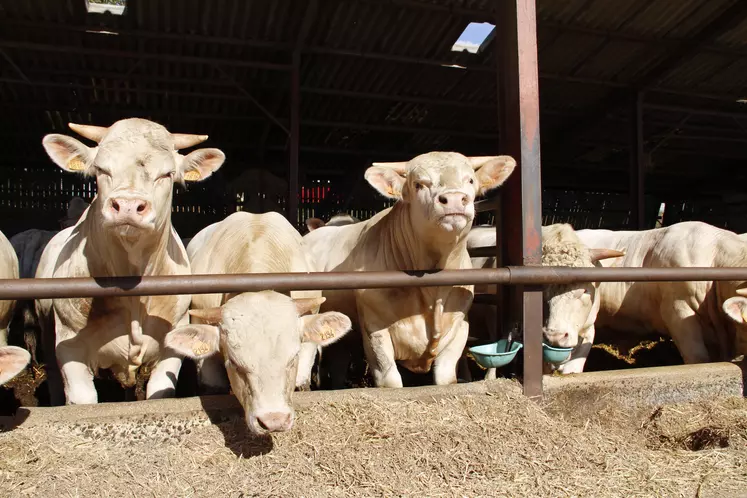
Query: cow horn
x,y
400,167
95,133
742,292
306,304
182,140
599,254
211,316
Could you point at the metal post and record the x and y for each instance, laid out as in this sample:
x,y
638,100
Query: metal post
x,y
637,162
294,139
521,200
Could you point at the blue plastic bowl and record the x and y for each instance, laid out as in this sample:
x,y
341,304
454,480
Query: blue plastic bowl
x,y
493,355
555,355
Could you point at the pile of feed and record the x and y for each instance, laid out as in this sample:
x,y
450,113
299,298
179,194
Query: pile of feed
x,y
372,443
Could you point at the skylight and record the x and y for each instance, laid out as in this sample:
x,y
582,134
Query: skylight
x,y
115,7
474,37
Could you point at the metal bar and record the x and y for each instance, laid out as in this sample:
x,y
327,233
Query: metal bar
x,y
482,252
487,204
637,160
42,47
52,288
521,211
295,99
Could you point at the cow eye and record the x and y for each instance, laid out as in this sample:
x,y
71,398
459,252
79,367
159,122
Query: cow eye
x,y
471,181
167,175
418,185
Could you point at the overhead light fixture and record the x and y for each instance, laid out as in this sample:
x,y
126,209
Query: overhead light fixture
x,y
114,7
101,32
474,38
742,101
457,66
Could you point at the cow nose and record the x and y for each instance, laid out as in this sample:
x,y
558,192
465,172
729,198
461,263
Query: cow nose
x,y
275,421
454,200
130,207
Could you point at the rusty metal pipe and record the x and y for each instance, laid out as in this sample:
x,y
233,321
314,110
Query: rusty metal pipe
x,y
47,288
482,252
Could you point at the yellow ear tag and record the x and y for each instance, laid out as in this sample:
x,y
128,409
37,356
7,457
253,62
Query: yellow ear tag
x,y
326,333
192,175
76,164
200,348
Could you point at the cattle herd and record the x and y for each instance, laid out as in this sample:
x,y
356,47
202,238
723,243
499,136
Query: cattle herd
x,y
263,345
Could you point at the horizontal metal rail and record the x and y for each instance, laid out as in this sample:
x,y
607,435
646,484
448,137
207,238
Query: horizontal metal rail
x,y
486,205
44,288
482,252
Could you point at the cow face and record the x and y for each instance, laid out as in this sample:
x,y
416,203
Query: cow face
x,y
135,164
440,187
570,310
259,335
736,309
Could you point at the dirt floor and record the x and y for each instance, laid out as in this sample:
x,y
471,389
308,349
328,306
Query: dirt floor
x,y
364,445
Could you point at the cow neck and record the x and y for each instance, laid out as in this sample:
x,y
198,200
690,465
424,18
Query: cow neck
x,y
404,247
114,257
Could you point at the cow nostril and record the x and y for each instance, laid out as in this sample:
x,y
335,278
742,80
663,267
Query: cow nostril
x,y
115,205
442,199
141,207
262,424
465,201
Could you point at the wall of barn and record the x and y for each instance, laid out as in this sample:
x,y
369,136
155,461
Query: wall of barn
x,y
38,197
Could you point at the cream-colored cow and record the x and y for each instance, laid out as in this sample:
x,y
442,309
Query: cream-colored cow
x,y
126,231
12,359
421,328
259,335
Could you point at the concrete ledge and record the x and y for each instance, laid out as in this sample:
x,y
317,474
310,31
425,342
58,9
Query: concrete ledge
x,y
634,387
646,386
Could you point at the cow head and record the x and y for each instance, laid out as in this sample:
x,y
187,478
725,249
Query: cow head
x,y
12,362
135,164
736,309
569,309
440,187
259,335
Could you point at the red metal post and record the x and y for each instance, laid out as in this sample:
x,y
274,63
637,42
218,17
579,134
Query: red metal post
x,y
521,213
294,138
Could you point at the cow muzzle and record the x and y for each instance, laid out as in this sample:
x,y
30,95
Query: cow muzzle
x,y
560,339
263,423
128,211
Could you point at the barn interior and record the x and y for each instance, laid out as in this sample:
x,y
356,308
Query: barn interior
x,y
641,102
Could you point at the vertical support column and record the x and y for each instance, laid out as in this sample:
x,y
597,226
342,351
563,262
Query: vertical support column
x,y
637,163
294,138
521,213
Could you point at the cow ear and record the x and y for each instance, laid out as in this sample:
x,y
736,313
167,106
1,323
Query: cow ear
x,y
200,164
492,171
314,223
69,154
196,341
324,328
736,309
308,304
12,362
388,181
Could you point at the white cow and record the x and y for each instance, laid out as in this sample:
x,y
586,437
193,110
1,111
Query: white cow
x,y
337,220
706,320
426,229
570,310
126,231
259,334
12,359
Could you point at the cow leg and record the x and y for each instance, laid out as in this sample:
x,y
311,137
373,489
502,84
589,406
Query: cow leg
x,y
380,355
77,376
162,382
580,353
686,331
444,366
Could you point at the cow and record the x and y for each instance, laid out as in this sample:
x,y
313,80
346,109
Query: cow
x,y
29,246
126,231
570,309
706,320
338,220
259,335
423,329
13,360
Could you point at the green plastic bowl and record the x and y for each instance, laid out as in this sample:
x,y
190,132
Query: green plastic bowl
x,y
555,355
493,356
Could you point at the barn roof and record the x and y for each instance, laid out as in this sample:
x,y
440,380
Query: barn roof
x,y
379,81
